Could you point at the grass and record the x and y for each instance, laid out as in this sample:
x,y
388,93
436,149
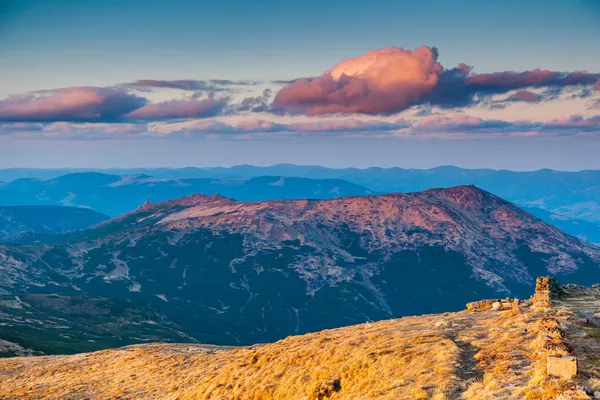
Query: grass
x,y
472,355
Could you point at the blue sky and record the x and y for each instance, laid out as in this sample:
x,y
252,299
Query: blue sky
x,y
53,45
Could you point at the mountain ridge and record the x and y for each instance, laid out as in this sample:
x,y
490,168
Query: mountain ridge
x,y
232,272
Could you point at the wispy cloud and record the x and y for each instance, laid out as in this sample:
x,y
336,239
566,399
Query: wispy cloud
x,y
174,109
188,84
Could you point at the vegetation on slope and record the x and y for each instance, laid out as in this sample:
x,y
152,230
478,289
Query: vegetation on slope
x,y
486,354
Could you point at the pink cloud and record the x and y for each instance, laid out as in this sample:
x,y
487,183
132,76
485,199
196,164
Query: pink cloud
x,y
575,121
526,96
347,125
70,104
597,86
178,109
511,79
378,82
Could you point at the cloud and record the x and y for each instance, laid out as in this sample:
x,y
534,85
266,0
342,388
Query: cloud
x,y
453,127
261,126
255,104
459,87
178,109
597,86
391,80
504,81
187,84
70,104
577,122
379,82
526,96
10,128
347,125
462,126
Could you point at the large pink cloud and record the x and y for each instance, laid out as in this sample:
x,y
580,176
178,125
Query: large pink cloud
x,y
70,104
178,109
379,82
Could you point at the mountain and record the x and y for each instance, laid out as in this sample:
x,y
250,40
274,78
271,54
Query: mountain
x,y
571,195
584,230
506,353
18,220
231,272
115,195
36,324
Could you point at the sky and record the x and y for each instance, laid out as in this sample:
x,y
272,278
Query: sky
x,y
415,83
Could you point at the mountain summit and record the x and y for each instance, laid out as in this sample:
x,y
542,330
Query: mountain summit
x,y
233,272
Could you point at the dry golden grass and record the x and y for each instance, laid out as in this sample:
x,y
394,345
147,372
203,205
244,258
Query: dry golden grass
x,y
472,355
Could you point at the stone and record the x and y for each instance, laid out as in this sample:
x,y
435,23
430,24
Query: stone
x,y
480,305
562,366
496,305
597,394
574,395
441,324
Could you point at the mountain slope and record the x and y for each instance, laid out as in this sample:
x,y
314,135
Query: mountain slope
x,y
16,220
232,272
488,354
50,324
114,195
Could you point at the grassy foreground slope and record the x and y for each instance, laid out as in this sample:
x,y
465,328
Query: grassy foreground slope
x,y
487,354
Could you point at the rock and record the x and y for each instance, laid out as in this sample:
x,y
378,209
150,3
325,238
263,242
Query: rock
x,y
574,395
562,366
597,394
496,305
441,324
480,305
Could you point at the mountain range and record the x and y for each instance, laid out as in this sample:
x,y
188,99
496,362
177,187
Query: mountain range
x,y
567,196
229,272
114,195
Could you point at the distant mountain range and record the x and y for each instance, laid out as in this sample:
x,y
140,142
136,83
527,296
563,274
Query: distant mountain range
x,y
228,272
569,200
114,195
19,220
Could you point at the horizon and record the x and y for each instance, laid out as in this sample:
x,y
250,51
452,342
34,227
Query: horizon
x,y
116,168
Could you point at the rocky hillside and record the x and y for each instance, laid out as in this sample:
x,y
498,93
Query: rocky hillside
x,y
503,350
19,220
232,272
36,324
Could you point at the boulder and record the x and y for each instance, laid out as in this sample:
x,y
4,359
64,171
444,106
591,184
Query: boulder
x,y
562,366
480,305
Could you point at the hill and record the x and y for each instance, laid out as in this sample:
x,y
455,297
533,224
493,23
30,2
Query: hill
x,y
18,220
232,272
486,353
38,324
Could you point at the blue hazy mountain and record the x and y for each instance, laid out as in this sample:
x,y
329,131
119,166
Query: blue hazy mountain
x,y
19,220
114,195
